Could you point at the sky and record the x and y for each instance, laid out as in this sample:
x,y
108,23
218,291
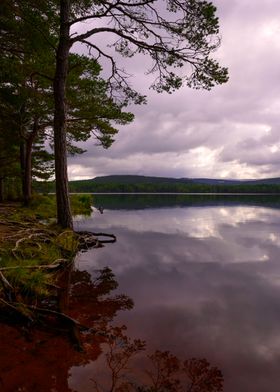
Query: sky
x,y
232,131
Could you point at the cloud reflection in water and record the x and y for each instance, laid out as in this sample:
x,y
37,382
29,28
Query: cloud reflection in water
x,y
205,282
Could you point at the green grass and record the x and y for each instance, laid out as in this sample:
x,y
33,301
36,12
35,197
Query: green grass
x,y
48,248
81,204
44,206
35,240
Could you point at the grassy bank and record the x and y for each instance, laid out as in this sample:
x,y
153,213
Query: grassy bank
x,y
33,252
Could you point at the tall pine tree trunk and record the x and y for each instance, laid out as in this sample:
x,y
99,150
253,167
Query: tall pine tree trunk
x,y
64,217
26,162
27,180
22,165
1,189
26,176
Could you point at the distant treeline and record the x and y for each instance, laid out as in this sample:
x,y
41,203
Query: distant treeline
x,y
91,186
147,201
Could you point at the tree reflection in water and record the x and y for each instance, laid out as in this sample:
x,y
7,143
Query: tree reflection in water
x,y
164,372
120,371
41,361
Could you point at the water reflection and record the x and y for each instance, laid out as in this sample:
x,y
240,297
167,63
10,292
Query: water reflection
x,y
46,361
205,281
227,234
164,372
41,361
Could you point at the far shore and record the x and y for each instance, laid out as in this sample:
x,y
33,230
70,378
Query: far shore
x,y
176,193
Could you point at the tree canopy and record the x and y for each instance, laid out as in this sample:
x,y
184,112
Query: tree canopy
x,y
179,36
27,104
176,34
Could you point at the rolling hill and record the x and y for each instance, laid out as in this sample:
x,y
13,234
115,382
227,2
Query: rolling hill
x,y
138,184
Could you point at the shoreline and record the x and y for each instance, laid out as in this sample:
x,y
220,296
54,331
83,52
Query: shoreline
x,y
177,193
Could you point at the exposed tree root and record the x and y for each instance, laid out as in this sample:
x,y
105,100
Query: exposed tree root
x,y
27,240
59,263
18,309
7,287
89,240
33,314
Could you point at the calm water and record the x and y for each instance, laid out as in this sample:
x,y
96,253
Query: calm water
x,y
204,274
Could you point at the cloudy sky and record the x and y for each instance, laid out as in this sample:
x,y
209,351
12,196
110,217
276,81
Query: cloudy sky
x,y
229,132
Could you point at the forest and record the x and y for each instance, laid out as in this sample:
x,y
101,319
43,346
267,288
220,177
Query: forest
x,y
169,188
138,184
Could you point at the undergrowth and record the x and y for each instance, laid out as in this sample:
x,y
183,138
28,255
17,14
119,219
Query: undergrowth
x,y
33,249
44,206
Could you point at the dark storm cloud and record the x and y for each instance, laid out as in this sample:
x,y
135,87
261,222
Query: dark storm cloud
x,y
231,131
